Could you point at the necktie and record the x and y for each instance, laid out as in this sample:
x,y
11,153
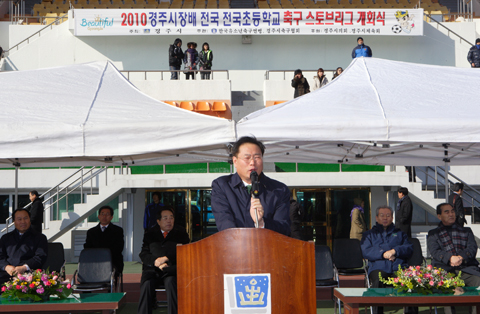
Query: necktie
x,y
249,188
103,228
165,234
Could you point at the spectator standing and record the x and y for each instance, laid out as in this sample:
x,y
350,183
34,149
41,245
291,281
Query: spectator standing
x,y
358,219
320,79
175,57
455,199
403,214
473,56
337,73
205,61
361,50
36,211
191,60
385,247
150,216
300,84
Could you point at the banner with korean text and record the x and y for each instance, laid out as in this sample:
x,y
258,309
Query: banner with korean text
x,y
117,22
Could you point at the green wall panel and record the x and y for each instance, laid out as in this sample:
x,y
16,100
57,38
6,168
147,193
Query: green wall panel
x,y
285,167
360,168
186,168
318,167
146,169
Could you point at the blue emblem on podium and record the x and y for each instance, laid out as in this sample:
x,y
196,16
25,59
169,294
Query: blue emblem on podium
x,y
251,291
247,293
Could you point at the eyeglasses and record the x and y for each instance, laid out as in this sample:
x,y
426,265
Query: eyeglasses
x,y
248,158
104,214
383,216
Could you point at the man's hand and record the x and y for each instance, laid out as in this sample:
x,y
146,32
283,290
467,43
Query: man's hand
x,y
473,64
161,260
256,206
20,269
163,266
456,260
10,270
389,255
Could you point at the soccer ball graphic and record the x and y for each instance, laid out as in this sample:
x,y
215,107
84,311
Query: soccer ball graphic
x,y
396,29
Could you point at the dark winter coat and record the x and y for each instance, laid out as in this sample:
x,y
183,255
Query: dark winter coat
x,y
191,59
457,203
474,56
111,238
403,216
175,54
31,249
36,214
301,86
155,246
377,241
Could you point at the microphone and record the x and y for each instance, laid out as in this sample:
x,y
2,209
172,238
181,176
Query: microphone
x,y
254,178
254,192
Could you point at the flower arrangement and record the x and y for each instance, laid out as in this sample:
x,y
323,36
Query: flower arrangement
x,y
36,286
424,280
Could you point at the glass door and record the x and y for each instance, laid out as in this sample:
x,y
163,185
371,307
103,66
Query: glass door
x,y
316,215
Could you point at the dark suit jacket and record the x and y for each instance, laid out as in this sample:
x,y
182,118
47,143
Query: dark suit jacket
x,y
458,207
111,238
231,204
30,249
36,215
155,246
441,258
403,217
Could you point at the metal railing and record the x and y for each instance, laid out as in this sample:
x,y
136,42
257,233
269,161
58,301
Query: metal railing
x,y
448,29
197,75
471,196
84,177
267,73
38,32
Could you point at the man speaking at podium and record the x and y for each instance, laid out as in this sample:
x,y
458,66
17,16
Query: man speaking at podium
x,y
236,205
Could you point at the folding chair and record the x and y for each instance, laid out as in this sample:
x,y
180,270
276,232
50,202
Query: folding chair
x,y
324,270
95,271
55,259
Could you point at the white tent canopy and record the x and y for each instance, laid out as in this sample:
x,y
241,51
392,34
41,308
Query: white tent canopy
x,y
377,112
89,113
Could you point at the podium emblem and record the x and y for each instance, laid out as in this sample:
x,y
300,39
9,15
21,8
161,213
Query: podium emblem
x,y
247,293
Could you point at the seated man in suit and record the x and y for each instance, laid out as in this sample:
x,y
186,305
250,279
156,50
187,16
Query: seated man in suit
x,y
159,251
385,247
109,236
232,203
453,247
22,249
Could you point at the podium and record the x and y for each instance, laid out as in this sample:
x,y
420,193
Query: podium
x,y
291,264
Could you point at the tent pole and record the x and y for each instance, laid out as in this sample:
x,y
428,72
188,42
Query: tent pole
x,y
446,180
17,165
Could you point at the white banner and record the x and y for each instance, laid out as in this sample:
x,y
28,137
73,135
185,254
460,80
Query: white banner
x,y
116,22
